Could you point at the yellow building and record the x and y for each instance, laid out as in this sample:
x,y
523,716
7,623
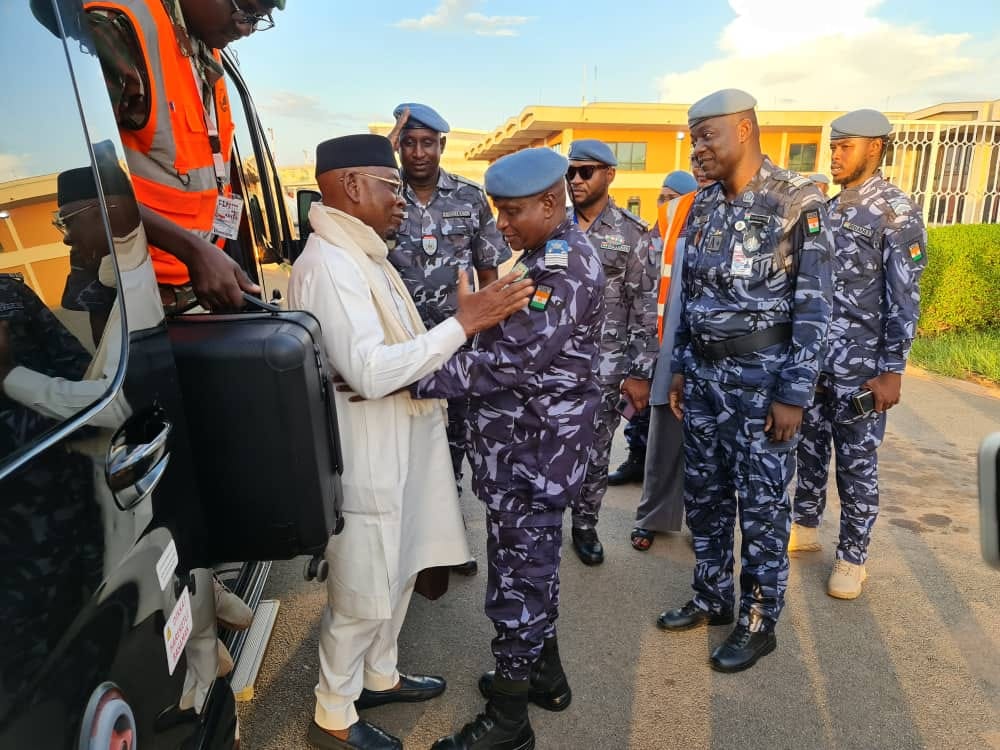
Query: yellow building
x,y
29,244
946,155
455,158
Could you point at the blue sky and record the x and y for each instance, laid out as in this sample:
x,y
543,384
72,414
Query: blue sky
x,y
331,67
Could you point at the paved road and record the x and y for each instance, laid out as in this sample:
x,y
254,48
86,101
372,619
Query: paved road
x,y
913,663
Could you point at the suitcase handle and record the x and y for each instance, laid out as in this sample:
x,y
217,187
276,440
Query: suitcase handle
x,y
258,302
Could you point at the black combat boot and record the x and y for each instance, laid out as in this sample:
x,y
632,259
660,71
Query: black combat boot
x,y
503,725
632,469
549,687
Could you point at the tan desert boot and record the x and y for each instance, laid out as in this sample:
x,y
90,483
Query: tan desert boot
x,y
225,659
803,539
845,580
231,611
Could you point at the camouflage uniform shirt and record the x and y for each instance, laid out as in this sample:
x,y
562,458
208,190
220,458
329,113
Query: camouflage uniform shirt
x,y
880,253
455,230
631,271
757,261
533,385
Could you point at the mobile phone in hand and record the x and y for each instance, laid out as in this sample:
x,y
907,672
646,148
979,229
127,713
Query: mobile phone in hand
x,y
625,408
863,402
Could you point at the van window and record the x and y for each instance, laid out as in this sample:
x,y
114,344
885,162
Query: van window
x,y
61,336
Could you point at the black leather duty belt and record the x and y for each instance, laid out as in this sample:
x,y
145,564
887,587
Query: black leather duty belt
x,y
740,345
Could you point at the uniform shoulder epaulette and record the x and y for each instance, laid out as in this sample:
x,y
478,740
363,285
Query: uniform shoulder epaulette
x,y
634,219
788,175
466,181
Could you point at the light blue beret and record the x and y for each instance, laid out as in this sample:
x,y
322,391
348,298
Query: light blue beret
x,y
819,179
591,149
680,182
422,116
725,102
525,173
861,123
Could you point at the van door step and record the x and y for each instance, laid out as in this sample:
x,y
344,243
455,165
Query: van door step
x,y
251,657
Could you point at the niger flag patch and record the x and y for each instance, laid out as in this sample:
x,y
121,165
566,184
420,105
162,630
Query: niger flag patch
x,y
812,222
541,298
916,252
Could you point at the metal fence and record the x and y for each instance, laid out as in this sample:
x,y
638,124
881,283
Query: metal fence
x,y
951,168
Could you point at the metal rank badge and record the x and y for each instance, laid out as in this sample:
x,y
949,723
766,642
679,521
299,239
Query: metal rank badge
x,y
713,242
429,243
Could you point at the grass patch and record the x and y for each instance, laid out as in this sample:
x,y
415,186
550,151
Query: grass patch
x,y
960,354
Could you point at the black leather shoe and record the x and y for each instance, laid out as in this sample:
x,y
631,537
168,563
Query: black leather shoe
x,y
469,568
412,689
742,649
363,736
554,698
632,469
691,616
588,547
490,731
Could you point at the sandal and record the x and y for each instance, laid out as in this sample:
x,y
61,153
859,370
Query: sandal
x,y
642,539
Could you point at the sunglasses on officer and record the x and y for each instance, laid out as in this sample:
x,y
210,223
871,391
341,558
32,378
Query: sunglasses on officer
x,y
585,172
257,22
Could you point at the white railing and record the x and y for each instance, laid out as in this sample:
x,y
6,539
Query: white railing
x,y
951,168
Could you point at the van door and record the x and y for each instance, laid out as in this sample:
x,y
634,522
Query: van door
x,y
99,515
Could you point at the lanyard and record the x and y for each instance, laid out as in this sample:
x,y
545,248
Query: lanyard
x,y
211,125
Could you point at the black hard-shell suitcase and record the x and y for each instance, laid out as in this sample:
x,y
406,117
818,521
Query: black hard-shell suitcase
x,y
263,430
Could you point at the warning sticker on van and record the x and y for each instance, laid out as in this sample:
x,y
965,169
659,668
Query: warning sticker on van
x,y
177,631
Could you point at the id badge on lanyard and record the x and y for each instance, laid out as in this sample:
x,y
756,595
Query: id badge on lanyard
x,y
228,208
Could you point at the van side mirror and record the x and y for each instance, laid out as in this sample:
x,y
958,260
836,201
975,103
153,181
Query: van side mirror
x,y
304,200
989,499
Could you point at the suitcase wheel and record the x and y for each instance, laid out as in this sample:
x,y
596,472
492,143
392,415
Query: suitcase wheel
x,y
316,569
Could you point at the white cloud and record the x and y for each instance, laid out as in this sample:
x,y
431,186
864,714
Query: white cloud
x,y
807,54
459,15
305,107
12,166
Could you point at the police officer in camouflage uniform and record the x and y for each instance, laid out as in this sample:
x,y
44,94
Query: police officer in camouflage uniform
x,y
629,344
535,395
448,228
879,255
755,309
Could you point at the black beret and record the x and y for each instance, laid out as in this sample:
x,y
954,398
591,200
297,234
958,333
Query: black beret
x,y
361,150
79,184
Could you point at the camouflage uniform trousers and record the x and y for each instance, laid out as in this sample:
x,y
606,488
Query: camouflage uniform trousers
x,y
522,588
730,464
637,433
587,506
856,440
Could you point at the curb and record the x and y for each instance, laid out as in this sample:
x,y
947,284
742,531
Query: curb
x,y
975,387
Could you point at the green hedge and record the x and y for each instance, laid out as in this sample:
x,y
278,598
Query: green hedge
x,y
960,289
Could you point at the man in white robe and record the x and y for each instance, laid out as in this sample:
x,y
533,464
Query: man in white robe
x,y
401,515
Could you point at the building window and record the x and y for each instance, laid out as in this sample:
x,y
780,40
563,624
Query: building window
x,y
631,156
802,157
634,204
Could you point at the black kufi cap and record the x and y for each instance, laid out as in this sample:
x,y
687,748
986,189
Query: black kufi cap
x,y
79,184
361,150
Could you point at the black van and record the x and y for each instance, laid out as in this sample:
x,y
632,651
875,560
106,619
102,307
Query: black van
x,y
101,520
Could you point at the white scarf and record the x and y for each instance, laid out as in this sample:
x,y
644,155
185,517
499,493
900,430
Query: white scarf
x,y
369,251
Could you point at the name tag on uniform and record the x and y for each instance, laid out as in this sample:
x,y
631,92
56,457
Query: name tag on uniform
x,y
456,215
228,210
863,231
742,266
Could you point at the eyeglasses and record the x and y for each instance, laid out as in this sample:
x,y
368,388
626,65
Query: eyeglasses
x,y
59,219
397,185
585,172
261,22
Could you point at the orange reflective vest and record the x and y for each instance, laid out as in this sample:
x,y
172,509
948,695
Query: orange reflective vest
x,y
171,159
670,220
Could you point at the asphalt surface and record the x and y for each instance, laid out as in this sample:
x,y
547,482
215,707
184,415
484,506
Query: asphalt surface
x,y
912,663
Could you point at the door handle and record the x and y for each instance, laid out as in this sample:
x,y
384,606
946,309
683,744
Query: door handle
x,y
133,471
